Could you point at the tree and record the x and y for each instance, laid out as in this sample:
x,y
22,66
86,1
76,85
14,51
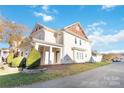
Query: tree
x,y
12,32
2,27
25,44
95,52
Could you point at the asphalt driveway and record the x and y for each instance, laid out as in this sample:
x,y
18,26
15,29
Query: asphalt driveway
x,y
110,76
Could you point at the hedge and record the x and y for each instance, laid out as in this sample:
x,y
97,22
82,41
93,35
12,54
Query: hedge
x,y
33,59
16,62
10,58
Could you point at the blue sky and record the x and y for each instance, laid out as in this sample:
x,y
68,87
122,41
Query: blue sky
x,y
104,25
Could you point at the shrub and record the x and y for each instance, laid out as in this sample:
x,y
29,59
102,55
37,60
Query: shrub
x,y
16,62
10,58
33,59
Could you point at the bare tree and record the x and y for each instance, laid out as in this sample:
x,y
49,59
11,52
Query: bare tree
x,y
26,43
12,32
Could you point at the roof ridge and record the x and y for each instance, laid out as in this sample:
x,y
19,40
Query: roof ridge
x,y
46,27
72,24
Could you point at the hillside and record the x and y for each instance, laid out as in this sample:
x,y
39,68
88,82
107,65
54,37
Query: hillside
x,y
113,56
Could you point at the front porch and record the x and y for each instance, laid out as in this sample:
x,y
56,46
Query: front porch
x,y
50,54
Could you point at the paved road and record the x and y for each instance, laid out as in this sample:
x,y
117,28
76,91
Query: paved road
x,y
104,77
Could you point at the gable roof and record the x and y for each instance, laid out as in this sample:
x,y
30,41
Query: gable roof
x,y
37,26
76,29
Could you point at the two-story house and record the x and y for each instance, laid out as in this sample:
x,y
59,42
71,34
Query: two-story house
x,y
68,45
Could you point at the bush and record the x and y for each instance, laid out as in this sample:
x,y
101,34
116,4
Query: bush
x,y
17,61
10,58
33,59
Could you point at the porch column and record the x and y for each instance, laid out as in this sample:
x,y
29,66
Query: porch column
x,y
61,54
50,55
74,54
43,56
36,46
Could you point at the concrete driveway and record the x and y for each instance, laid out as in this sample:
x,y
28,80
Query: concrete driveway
x,y
110,76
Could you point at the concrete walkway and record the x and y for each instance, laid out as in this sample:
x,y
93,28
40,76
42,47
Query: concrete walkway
x,y
103,77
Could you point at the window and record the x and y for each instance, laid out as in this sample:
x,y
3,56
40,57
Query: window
x,y
36,29
85,55
75,40
80,42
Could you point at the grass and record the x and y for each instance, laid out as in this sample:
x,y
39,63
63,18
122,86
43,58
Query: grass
x,y
20,79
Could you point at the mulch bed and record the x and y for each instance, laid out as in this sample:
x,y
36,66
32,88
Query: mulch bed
x,y
55,67
58,66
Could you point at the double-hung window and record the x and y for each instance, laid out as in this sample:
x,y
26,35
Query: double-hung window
x,y
75,40
80,42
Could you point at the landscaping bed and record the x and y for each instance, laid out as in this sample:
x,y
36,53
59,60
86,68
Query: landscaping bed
x,y
53,72
8,70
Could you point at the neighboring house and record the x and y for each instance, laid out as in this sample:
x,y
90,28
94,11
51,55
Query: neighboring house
x,y
96,57
25,47
3,53
68,45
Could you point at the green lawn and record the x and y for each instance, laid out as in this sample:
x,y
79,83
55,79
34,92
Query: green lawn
x,y
20,79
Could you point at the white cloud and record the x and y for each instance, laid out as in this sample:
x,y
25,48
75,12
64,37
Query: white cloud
x,y
13,22
112,51
106,7
55,11
107,39
46,13
101,41
95,27
45,8
45,17
97,23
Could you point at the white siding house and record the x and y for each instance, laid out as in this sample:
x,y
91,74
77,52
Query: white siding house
x,y
96,58
3,53
68,45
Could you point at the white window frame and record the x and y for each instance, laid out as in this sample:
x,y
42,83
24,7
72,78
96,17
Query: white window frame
x,y
75,40
80,42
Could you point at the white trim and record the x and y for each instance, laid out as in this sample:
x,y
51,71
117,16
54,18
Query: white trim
x,y
45,27
71,25
79,49
77,23
46,43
